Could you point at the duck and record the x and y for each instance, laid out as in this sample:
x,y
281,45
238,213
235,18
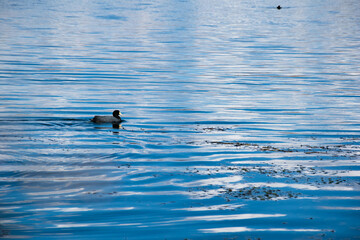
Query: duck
x,y
279,7
115,118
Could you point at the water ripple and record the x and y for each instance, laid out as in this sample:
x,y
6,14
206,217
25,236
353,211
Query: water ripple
x,y
240,121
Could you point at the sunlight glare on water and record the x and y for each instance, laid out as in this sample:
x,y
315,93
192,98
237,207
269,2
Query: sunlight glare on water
x,y
242,121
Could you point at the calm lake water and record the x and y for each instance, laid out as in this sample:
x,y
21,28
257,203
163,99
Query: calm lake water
x,y
242,120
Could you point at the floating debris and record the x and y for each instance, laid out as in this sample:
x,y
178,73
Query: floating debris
x,y
212,129
259,193
307,149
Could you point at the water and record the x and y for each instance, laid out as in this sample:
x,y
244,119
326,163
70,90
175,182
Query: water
x,y
242,121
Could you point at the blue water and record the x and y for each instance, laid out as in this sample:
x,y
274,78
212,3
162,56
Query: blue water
x,y
241,121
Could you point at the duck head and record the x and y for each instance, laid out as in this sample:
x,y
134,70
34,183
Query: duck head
x,y
116,113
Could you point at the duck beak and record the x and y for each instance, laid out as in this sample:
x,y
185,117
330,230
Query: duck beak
x,y
120,113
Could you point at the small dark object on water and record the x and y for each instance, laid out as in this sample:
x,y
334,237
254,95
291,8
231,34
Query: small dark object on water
x,y
278,7
115,118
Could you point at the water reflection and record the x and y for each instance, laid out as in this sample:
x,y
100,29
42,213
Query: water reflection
x,y
232,108
246,229
213,208
231,217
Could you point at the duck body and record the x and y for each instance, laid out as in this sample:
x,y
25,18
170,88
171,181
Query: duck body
x,y
115,118
106,119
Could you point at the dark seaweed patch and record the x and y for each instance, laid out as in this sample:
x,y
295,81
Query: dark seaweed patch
x,y
213,129
259,193
339,149
310,176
